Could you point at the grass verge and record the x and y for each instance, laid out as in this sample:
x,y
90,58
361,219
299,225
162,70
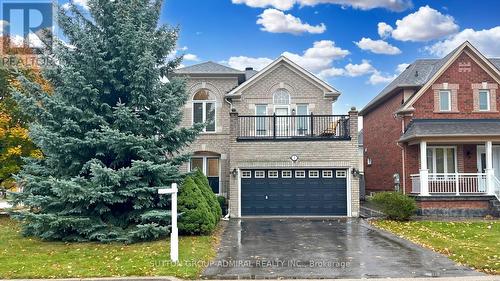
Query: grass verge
x,y
24,257
474,244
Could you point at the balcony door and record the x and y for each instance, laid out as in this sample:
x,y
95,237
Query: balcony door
x,y
282,121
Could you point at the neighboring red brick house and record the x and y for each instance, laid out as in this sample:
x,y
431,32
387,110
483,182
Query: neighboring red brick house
x,y
445,111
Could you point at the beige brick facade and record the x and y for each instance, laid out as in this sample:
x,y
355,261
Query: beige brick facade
x,y
236,155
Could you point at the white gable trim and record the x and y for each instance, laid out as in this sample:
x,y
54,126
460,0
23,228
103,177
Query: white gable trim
x,y
484,61
328,90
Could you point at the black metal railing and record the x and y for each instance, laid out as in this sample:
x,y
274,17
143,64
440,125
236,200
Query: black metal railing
x,y
290,127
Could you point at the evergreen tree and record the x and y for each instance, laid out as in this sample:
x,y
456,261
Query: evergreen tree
x,y
109,132
196,216
202,182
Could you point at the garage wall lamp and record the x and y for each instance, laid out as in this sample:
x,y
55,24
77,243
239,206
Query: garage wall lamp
x,y
234,172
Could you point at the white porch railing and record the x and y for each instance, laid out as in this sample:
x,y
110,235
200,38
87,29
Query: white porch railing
x,y
452,184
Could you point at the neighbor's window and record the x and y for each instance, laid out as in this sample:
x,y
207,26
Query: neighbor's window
x,y
204,109
445,100
484,100
441,160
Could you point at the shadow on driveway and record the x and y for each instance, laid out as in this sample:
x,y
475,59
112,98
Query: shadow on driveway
x,y
322,248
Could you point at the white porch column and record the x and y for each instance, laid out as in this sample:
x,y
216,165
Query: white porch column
x,y
489,168
424,172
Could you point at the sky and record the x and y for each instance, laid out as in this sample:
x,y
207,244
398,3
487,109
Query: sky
x,y
356,46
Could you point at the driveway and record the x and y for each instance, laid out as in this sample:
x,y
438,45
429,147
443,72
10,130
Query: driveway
x,y
322,248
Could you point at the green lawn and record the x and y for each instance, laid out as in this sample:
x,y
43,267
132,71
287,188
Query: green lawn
x,y
22,257
475,244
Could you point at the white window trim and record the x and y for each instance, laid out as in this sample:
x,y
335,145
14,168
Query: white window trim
x,y
338,174
205,167
488,99
204,114
300,177
286,177
272,177
260,177
246,174
326,171
445,164
449,100
314,171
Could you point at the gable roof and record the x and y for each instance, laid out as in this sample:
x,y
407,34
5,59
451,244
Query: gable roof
x,y
208,67
329,90
418,74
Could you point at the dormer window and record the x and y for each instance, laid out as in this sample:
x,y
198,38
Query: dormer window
x,y
484,100
204,109
444,100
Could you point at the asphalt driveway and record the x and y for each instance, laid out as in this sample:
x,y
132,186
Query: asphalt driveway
x,y
322,248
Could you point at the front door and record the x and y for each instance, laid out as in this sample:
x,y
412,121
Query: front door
x,y
282,121
481,165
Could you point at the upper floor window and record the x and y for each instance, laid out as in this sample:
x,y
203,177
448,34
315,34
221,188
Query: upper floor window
x,y
445,100
484,100
204,109
281,97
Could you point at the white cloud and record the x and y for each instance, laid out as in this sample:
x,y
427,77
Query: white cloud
x,y
487,41
2,24
393,5
276,21
377,46
402,67
331,72
242,62
191,57
378,78
33,41
82,3
319,57
424,25
384,30
355,70
278,4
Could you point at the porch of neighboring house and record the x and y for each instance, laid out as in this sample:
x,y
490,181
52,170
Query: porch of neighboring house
x,y
452,172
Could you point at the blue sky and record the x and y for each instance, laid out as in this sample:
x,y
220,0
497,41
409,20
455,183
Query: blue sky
x,y
358,46
217,30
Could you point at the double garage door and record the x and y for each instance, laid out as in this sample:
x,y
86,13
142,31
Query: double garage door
x,y
308,192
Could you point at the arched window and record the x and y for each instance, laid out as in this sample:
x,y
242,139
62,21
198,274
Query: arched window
x,y
281,97
204,109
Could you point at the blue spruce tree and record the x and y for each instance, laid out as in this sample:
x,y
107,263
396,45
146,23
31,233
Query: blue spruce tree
x,y
109,132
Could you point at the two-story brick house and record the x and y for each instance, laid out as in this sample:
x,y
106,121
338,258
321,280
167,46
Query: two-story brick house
x,y
271,144
436,127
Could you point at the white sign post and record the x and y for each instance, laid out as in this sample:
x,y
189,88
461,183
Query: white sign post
x,y
174,234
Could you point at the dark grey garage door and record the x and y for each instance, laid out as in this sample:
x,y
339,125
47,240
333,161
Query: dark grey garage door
x,y
294,192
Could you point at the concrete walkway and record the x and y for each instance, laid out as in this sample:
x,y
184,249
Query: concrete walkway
x,y
323,248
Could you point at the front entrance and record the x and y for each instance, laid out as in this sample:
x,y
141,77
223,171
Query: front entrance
x,y
481,165
210,166
308,192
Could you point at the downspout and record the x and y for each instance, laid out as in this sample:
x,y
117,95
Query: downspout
x,y
403,156
230,104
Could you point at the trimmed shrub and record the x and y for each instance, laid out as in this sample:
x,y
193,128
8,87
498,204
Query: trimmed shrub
x,y
222,204
201,180
395,205
196,217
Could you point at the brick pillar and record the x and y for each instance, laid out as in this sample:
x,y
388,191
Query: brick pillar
x,y
234,125
353,124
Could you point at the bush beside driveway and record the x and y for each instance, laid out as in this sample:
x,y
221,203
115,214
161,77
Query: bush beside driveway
x,y
22,257
475,244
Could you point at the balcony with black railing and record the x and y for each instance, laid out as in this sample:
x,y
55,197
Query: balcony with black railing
x,y
293,127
